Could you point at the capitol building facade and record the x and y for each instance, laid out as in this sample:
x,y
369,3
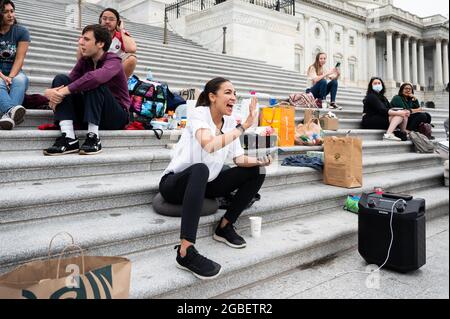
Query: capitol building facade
x,y
369,38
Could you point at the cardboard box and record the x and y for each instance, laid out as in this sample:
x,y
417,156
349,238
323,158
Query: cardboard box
x,y
329,124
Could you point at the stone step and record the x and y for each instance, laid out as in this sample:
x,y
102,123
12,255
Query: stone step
x,y
90,194
176,57
71,36
301,222
165,68
351,113
282,247
34,118
145,230
39,84
33,168
163,63
27,140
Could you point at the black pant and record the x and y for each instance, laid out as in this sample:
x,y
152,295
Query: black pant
x,y
375,122
191,186
416,118
97,106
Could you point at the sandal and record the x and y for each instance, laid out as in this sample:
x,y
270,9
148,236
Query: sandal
x,y
334,106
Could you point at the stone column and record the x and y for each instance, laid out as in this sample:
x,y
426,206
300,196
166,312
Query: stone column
x,y
445,61
389,57
414,77
372,55
398,58
330,44
362,60
438,84
365,56
344,67
307,54
406,71
422,80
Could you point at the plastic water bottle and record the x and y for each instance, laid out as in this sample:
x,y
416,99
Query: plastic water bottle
x,y
149,76
261,95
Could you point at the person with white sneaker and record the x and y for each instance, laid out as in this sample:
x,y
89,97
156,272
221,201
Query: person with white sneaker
x,y
95,93
14,43
378,115
195,172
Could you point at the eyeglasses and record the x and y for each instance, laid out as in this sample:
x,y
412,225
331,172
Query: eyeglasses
x,y
407,88
110,19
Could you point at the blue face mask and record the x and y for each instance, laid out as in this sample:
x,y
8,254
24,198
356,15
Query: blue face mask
x,y
377,87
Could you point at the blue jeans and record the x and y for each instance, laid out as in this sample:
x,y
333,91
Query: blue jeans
x,y
321,89
16,93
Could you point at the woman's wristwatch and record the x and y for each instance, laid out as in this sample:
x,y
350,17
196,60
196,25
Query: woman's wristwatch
x,y
241,128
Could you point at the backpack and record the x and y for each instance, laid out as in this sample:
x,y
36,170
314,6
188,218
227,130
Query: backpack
x,y
425,129
421,143
303,100
148,98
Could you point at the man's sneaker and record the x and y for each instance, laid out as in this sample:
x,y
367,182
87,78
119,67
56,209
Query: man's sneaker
x,y
63,145
17,113
6,122
229,236
91,146
391,137
202,267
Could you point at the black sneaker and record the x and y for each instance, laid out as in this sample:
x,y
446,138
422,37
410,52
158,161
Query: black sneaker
x,y
401,135
63,145
229,236
202,267
91,146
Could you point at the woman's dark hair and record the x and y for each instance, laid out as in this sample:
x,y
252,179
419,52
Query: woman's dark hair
x,y
211,87
400,91
370,90
3,4
101,34
113,11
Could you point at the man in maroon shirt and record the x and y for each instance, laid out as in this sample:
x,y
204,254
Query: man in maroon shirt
x,y
95,93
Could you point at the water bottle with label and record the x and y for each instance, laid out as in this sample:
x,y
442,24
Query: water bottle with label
x,y
149,76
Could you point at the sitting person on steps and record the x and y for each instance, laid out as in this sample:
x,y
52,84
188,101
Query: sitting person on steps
x,y
95,93
378,114
195,172
323,81
14,43
122,43
407,101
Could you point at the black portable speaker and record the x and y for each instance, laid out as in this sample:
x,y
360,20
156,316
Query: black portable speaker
x,y
408,251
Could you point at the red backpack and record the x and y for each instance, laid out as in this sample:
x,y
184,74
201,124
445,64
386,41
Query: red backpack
x,y
425,129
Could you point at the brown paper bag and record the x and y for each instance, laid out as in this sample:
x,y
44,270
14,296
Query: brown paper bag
x,y
83,277
343,162
329,124
310,114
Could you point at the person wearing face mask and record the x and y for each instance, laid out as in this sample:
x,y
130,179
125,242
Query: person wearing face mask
x,y
195,172
407,101
378,114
